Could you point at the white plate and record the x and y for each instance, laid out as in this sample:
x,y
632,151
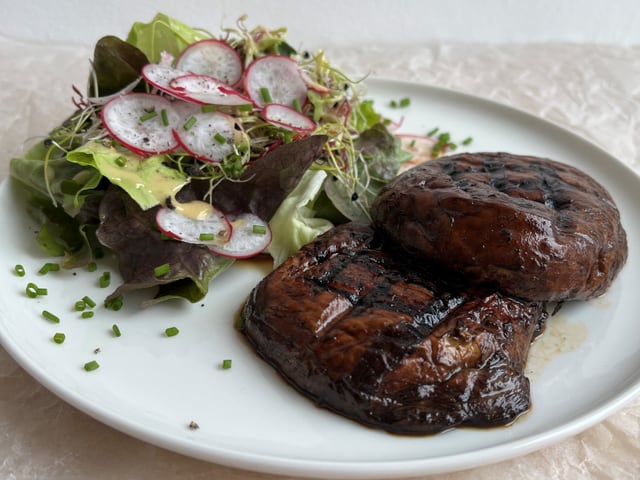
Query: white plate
x,y
152,387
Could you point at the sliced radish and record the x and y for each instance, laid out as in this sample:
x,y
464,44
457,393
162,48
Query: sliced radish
x,y
249,237
313,85
160,76
142,122
277,77
210,136
419,146
215,58
214,229
206,90
287,117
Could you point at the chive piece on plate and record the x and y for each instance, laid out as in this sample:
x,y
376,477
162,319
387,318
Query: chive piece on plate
x,y
105,280
171,331
114,304
88,301
31,290
59,338
92,365
50,316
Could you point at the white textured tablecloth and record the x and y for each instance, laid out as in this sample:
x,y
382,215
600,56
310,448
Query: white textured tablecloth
x,y
593,90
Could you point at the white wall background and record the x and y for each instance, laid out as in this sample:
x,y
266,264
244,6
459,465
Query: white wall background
x,y
313,24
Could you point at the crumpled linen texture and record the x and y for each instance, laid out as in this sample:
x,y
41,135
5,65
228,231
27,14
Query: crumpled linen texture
x,y
593,90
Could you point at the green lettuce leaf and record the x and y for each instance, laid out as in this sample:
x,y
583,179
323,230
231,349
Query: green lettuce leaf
x,y
295,222
163,33
44,171
144,179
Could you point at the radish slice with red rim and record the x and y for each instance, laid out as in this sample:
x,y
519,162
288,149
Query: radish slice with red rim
x,y
213,229
250,236
212,57
141,122
275,79
210,136
419,146
160,76
287,117
206,90
313,85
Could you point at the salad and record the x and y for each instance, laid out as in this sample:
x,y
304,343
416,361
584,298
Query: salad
x,y
189,151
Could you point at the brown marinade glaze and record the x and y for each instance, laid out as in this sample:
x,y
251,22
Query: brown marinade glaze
x,y
527,226
379,339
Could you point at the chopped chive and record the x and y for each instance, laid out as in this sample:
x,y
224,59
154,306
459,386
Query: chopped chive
x,y
51,267
190,123
165,117
59,338
207,236
393,104
121,161
41,291
220,138
87,314
171,331
208,108
114,304
92,365
266,96
296,105
259,229
105,280
31,290
405,102
148,116
226,363
79,306
19,269
247,107
162,270
433,132
444,137
116,330
50,316
88,301
467,141
92,267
